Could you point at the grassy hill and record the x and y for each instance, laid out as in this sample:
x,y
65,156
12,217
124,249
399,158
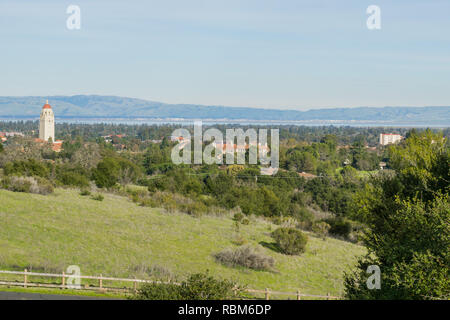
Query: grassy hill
x,y
116,237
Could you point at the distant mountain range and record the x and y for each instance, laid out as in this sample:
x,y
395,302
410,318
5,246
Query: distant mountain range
x,y
95,106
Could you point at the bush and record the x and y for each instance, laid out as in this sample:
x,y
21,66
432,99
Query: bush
x,y
28,184
204,287
339,227
44,186
85,192
73,179
239,239
238,217
98,197
245,221
197,287
290,241
305,225
195,209
245,256
321,228
29,167
276,220
159,291
106,175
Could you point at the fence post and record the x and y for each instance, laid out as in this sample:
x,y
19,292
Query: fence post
x,y
328,296
267,294
135,284
100,282
25,278
63,280
298,295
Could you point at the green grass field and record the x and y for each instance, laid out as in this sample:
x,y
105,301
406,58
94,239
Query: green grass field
x,y
117,238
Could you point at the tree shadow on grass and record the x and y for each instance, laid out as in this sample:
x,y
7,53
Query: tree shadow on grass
x,y
271,245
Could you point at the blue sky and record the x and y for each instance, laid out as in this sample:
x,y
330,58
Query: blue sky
x,y
259,53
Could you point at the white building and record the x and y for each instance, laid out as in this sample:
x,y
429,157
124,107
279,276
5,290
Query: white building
x,y
47,123
387,138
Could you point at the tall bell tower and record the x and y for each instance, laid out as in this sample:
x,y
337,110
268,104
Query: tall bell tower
x,y
47,123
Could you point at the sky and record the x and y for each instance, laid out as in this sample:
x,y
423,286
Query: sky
x,y
283,54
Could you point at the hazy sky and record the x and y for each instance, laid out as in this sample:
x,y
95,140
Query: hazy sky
x,y
258,53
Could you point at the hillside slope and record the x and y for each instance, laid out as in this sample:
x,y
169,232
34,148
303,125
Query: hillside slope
x,y
118,238
89,106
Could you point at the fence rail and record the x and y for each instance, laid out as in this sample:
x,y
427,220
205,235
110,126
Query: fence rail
x,y
27,283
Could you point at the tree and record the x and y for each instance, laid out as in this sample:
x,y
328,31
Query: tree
x,y
154,156
408,215
301,161
128,171
106,174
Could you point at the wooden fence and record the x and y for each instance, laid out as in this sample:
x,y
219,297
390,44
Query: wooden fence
x,y
102,288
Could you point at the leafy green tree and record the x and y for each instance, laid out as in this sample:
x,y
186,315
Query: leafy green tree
x,y
408,215
129,172
155,156
301,161
106,174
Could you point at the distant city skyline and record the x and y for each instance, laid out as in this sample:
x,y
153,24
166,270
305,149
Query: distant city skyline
x,y
264,54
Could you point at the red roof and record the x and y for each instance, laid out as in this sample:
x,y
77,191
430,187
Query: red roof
x,y
46,106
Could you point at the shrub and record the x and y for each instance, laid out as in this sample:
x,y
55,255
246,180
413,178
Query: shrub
x,y
245,221
159,291
28,184
98,197
339,227
238,217
276,220
239,239
245,256
44,186
85,192
106,174
201,286
321,228
197,287
195,209
305,225
290,241
30,167
73,179
305,214
288,222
